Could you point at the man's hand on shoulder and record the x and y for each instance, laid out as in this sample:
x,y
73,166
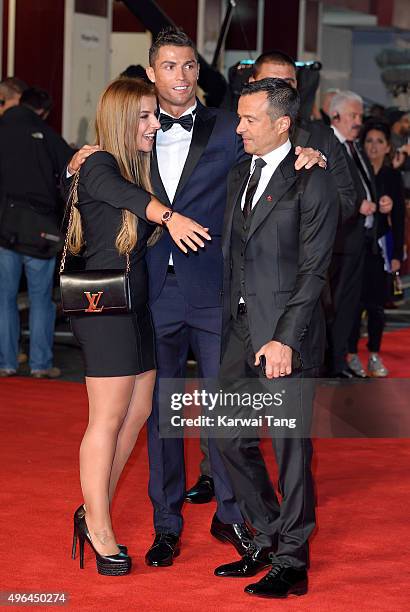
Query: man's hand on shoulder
x,y
278,359
308,157
79,158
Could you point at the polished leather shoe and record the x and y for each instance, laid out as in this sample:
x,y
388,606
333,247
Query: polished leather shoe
x,y
280,582
236,534
254,561
202,492
165,547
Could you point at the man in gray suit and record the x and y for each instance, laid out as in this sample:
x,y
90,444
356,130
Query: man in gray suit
x,y
279,229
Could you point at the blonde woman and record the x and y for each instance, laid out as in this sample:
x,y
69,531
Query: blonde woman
x,y
116,212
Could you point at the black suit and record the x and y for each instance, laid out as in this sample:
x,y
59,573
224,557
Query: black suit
x,y
346,269
319,136
286,253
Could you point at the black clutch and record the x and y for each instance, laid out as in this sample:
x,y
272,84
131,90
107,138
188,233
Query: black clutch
x,y
93,291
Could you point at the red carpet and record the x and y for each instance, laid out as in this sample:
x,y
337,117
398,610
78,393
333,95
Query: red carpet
x,y
359,552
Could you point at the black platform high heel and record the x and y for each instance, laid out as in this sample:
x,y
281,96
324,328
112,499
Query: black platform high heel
x,y
79,514
110,565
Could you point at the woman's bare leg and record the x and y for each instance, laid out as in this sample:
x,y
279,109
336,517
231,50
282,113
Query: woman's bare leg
x,y
109,399
138,412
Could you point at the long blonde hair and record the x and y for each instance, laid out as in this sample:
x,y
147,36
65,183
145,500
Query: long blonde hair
x,y
116,127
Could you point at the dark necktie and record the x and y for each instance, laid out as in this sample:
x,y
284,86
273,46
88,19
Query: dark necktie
x,y
252,186
186,121
359,165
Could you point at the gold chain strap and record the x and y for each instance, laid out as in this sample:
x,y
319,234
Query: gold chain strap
x,y
74,202
127,254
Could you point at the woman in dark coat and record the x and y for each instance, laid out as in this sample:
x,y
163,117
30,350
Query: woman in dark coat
x,y
376,142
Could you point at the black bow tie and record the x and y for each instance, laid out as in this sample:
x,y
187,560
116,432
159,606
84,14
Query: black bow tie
x,y
167,122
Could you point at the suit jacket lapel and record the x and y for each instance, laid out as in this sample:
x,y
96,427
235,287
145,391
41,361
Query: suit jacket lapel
x,y
281,181
237,183
202,130
158,185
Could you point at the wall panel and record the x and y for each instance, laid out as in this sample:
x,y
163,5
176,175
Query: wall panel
x,y
39,48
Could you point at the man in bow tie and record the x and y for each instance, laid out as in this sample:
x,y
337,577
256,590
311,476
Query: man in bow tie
x,y
279,230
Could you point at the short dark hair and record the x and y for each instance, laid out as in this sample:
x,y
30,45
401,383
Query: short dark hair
x,y
37,99
12,86
283,99
170,36
380,126
272,57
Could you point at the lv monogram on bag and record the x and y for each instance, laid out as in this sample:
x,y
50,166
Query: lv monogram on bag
x,y
93,299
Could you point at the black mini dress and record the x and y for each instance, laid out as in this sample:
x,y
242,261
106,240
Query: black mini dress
x,y
114,344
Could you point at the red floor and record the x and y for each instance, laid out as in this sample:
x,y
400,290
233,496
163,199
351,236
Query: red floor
x,y
359,552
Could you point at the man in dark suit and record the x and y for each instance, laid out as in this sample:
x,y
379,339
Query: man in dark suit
x,y
279,230
365,226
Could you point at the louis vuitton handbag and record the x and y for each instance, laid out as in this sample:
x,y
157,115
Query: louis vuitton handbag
x,y
92,291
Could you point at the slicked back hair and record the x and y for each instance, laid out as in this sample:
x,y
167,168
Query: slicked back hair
x,y
283,99
170,37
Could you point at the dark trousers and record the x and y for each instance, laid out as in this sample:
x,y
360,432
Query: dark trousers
x,y
289,523
205,465
177,326
346,278
372,300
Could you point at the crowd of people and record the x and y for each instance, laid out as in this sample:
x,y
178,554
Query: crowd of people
x,y
276,234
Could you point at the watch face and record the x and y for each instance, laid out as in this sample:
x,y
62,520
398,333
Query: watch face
x,y
167,215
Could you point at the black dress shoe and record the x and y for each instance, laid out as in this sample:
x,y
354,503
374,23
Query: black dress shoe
x,y
254,561
280,582
202,492
236,534
165,547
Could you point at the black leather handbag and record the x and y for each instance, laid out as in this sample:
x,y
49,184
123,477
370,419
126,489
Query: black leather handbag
x,y
29,228
92,291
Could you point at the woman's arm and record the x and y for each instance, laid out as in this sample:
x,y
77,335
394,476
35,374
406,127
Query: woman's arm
x,y
103,181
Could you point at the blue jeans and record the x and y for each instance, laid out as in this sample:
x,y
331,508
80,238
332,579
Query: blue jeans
x,y
39,274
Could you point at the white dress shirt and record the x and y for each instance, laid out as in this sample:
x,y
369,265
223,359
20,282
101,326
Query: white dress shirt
x,y
172,149
272,159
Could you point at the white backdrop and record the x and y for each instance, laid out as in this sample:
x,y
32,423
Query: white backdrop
x,y
86,71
